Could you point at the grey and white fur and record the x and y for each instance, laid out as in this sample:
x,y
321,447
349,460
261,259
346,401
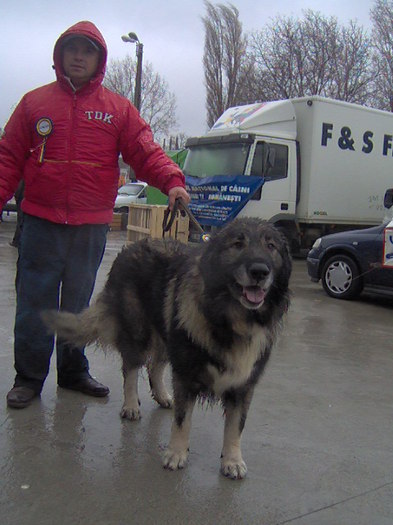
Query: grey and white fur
x,y
211,310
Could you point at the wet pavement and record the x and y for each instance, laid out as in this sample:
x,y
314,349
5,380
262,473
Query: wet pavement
x,y
318,440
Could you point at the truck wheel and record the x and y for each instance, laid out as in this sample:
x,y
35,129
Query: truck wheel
x,y
340,277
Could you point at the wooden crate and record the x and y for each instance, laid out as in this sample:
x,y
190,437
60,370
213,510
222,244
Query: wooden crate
x,y
145,220
116,223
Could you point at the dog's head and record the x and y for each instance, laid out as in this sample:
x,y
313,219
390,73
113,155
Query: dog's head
x,y
249,258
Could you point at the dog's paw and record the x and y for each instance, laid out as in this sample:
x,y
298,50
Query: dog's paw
x,y
133,414
165,402
234,469
163,399
174,459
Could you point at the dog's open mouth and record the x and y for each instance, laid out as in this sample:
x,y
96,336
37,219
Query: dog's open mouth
x,y
254,296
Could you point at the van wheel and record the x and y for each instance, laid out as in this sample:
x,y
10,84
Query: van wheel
x,y
340,277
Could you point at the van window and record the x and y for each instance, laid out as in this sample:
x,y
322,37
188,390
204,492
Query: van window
x,y
271,162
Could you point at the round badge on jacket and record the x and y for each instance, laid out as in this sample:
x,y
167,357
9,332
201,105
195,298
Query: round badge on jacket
x,y
44,126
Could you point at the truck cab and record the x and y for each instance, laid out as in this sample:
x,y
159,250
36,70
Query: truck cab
x,y
271,155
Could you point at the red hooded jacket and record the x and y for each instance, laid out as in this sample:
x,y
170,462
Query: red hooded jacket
x,y
74,178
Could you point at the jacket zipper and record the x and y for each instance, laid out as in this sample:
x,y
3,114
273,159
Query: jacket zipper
x,y
71,150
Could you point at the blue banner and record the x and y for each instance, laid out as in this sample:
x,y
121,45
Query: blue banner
x,y
217,200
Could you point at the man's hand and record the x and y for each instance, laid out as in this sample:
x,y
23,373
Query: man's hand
x,y
176,193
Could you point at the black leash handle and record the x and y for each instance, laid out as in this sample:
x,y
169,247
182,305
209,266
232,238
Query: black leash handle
x,y
170,216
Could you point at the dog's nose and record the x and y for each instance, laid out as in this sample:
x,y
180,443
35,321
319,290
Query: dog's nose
x,y
259,271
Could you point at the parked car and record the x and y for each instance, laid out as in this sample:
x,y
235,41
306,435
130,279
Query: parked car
x,y
10,205
130,193
351,261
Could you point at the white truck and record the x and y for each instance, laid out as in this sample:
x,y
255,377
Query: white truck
x,y
326,164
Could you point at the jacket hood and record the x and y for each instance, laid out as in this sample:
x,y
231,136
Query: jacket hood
x,y
89,30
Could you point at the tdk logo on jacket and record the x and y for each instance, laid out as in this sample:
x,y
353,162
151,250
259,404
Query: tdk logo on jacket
x,y
99,115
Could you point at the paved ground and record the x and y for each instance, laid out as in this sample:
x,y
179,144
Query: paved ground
x,y
318,441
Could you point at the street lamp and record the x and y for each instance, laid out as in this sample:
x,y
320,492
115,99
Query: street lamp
x,y
133,39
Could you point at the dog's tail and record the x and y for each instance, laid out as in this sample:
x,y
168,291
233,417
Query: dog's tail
x,y
91,325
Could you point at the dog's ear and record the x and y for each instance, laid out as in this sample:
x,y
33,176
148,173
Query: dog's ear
x,y
286,267
285,245
209,260
285,252
206,260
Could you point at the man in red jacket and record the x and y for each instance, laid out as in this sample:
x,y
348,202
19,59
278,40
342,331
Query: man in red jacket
x,y
64,141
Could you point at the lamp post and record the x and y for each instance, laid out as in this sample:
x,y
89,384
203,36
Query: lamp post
x,y
133,39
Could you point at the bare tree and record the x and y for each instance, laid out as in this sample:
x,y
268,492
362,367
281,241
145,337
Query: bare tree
x,y
158,104
311,56
353,61
382,17
278,60
224,54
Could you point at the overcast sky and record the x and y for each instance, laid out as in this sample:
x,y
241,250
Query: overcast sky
x,y
171,31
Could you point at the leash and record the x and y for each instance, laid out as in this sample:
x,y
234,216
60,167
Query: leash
x,y
170,216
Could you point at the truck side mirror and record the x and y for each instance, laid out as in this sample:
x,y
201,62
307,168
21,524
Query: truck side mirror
x,y
388,200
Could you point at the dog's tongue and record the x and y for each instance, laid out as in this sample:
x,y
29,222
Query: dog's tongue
x,y
254,294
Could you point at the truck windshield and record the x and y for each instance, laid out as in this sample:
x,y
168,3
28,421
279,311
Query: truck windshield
x,y
207,160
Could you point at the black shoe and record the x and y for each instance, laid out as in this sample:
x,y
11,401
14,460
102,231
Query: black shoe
x,y
86,385
21,396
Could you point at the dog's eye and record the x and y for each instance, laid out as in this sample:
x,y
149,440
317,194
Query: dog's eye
x,y
238,244
271,246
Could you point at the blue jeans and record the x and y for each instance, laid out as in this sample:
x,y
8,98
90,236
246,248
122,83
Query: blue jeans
x,y
56,269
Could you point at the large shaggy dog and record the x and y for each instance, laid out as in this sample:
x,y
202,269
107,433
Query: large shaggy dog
x,y
211,310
